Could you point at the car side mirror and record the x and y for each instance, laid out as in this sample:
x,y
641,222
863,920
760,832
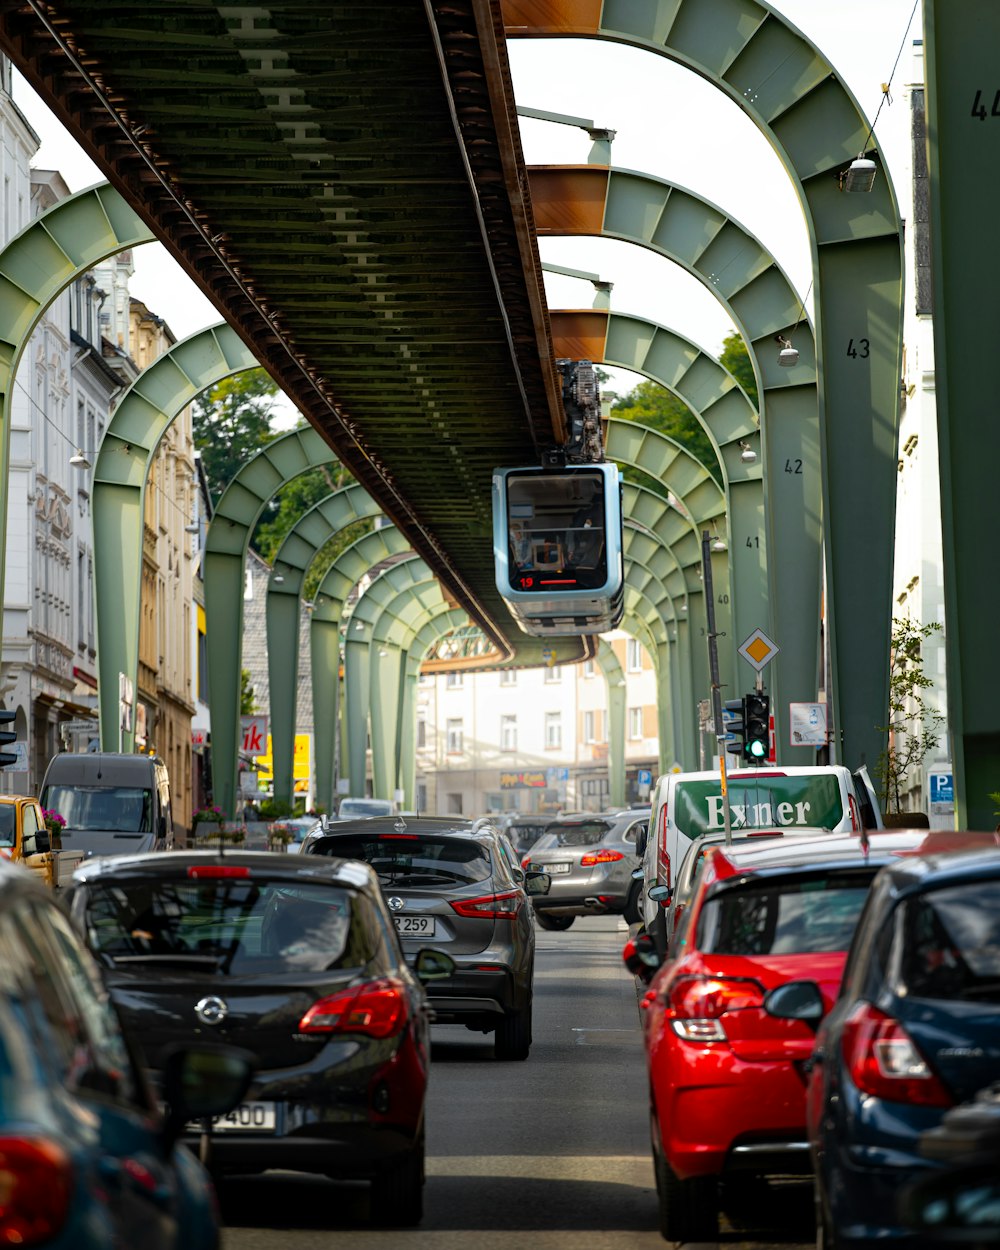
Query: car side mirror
x,y
432,965
660,894
641,957
795,1000
637,874
202,1081
536,882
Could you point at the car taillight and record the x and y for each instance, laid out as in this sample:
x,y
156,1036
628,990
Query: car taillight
x,y
696,1004
491,906
601,857
883,1060
526,862
36,1184
377,1009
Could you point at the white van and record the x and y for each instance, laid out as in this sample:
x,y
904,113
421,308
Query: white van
x,y
686,806
112,804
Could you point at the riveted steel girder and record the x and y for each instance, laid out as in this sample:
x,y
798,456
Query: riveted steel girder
x,y
145,411
353,563
614,678
284,603
36,266
345,181
963,106
795,97
226,543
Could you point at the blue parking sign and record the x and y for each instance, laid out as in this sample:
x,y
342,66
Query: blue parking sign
x,y
942,787
644,777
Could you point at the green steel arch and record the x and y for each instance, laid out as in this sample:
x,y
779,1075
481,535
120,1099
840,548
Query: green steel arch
x,y
35,267
297,550
226,544
789,527
324,645
441,623
961,42
614,679
393,628
815,127
147,408
412,574
743,276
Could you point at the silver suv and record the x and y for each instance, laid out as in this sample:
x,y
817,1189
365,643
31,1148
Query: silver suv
x,y
456,886
590,860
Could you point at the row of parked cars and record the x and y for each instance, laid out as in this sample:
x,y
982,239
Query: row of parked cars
x,y
263,1010
820,1000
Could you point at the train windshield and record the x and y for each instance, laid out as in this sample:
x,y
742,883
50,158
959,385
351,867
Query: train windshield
x,y
556,531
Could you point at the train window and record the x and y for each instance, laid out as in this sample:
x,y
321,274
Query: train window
x,y
556,532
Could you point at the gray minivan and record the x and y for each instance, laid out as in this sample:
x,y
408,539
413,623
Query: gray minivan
x,y
112,804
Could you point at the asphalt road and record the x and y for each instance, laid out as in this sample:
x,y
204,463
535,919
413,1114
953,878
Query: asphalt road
x,y
552,1152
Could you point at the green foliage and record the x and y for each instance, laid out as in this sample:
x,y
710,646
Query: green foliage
x,y
913,728
272,809
248,698
231,422
330,550
653,405
736,359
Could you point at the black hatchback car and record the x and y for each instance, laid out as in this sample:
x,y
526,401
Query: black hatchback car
x,y
913,1032
455,886
296,961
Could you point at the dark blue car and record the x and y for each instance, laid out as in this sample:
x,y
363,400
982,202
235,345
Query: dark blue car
x,y
86,1159
916,1030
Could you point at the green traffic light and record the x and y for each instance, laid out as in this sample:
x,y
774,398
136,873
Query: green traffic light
x,y
756,748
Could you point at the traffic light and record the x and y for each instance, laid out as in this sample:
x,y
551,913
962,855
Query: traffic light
x,y
756,726
6,735
732,722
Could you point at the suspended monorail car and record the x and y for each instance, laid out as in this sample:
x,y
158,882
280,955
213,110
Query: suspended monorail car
x,y
557,547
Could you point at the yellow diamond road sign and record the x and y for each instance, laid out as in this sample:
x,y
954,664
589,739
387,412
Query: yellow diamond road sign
x,y
759,650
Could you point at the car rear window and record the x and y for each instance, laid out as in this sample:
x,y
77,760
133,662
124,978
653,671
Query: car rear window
x,y
580,833
401,859
949,944
789,915
230,925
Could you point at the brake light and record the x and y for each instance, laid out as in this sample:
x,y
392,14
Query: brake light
x,y
491,906
697,1003
883,1060
36,1184
206,871
526,862
601,857
377,1009
400,837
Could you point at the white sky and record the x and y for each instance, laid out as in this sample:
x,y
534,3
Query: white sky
x,y
669,123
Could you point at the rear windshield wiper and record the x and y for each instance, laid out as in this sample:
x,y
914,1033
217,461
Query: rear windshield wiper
x,y
194,961
419,878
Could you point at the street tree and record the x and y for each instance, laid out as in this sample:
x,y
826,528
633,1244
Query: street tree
x,y
231,421
914,728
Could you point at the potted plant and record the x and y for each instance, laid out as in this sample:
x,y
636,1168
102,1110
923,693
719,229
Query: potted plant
x,y
278,836
55,824
207,822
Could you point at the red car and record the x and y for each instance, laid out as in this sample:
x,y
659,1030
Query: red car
x,y
726,1078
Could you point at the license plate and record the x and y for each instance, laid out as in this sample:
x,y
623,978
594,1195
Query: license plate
x,y
415,926
551,869
248,1117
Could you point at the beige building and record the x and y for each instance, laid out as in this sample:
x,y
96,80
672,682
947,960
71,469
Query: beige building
x,y
531,740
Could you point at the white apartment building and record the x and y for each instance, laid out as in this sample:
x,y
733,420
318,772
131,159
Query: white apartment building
x,y
531,740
